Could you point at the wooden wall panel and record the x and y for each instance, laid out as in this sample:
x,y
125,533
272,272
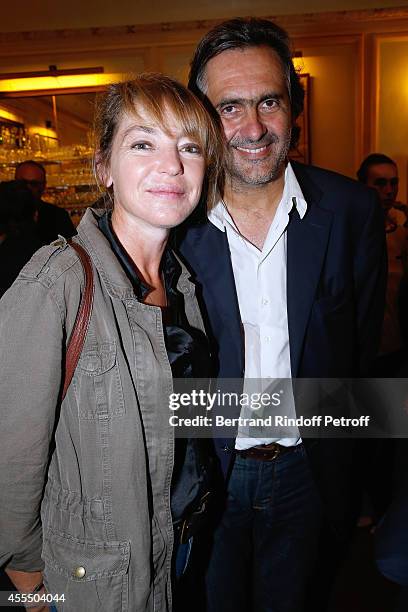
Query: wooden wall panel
x,y
344,54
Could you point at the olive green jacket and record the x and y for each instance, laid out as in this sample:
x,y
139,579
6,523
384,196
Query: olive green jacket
x,y
85,486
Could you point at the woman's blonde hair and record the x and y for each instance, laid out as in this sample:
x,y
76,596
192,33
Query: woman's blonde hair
x,y
165,101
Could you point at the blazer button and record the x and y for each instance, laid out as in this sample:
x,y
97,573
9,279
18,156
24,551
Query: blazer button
x,y
79,572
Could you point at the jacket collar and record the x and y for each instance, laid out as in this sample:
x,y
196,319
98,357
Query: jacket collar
x,y
206,250
109,267
292,197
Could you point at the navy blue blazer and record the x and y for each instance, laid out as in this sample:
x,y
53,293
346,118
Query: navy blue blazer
x,y
336,275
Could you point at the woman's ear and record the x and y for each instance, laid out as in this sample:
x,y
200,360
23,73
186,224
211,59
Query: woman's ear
x,y
102,171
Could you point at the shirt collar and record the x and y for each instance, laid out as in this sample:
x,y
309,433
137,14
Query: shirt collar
x,y
292,197
171,268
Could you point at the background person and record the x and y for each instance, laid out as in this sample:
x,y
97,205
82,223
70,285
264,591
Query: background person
x,y
386,460
101,532
381,173
18,238
52,221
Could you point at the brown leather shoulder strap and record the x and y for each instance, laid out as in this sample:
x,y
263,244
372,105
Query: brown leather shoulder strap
x,y
78,334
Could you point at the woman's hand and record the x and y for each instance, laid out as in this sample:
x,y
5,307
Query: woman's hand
x,y
26,582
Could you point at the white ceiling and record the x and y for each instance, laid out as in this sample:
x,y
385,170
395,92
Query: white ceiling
x,y
27,15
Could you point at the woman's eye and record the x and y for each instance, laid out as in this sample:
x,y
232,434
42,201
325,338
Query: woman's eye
x,y
141,146
191,148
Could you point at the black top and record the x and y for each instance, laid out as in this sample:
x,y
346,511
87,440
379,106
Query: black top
x,y
53,221
15,252
188,354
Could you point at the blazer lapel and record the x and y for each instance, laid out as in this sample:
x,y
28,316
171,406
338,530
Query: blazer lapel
x,y
307,245
209,256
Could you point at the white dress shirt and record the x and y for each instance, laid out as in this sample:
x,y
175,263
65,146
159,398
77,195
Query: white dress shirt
x,y
260,279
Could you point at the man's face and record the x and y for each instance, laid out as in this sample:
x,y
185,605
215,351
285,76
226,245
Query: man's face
x,y
34,177
384,178
248,89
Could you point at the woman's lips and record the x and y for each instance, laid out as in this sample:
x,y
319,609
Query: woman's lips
x,y
166,191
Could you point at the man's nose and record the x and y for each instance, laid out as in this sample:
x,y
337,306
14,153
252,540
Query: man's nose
x,y
253,128
387,190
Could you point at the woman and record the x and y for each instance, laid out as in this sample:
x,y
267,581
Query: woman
x,y
106,458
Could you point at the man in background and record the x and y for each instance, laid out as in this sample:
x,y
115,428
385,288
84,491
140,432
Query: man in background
x,y
51,220
18,236
381,173
380,466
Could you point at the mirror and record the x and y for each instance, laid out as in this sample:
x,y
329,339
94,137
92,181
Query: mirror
x,y
56,131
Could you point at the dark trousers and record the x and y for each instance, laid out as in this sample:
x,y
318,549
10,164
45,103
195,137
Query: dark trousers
x,y
265,543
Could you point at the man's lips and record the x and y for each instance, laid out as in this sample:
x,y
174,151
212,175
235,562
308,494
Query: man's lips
x,y
259,151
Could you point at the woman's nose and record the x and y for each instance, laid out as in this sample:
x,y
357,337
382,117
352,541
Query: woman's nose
x,y
170,162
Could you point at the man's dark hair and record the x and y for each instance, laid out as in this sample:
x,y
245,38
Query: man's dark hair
x,y
31,162
372,160
240,34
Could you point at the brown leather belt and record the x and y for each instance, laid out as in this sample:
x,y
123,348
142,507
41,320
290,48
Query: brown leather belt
x,y
266,452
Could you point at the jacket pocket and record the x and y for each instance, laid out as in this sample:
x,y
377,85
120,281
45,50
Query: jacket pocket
x,y
97,382
91,575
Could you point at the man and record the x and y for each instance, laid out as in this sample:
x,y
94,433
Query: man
x,y
381,173
18,238
293,257
51,220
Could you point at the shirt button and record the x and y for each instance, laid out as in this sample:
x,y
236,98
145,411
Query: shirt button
x,y
265,301
268,338
79,572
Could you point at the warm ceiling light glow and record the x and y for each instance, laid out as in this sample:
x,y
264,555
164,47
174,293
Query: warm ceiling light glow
x,y
5,114
299,64
42,131
58,82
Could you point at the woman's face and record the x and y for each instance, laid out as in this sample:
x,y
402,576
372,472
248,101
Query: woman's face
x,y
156,175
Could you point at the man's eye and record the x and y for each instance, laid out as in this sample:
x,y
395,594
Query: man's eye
x,y
270,105
230,109
191,148
141,146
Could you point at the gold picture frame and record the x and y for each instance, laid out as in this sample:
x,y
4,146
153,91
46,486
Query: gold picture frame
x,y
302,152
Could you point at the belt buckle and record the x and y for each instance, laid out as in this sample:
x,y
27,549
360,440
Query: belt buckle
x,y
275,452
